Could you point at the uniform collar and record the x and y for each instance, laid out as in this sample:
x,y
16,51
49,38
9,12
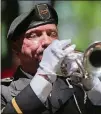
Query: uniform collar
x,y
22,74
27,74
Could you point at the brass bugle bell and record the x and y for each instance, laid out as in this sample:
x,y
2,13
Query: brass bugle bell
x,y
89,62
92,59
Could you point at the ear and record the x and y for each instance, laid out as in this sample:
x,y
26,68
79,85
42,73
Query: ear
x,y
16,47
15,59
15,52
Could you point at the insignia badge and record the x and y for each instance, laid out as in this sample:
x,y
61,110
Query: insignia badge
x,y
43,11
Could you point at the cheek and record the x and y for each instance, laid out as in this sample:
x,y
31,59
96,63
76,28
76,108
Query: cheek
x,y
30,46
56,38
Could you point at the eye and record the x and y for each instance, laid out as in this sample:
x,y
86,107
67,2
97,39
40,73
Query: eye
x,y
53,34
33,35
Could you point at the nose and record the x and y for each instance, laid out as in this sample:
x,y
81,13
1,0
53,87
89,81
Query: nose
x,y
46,40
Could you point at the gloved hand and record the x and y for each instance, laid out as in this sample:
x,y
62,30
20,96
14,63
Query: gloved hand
x,y
53,55
69,64
52,58
90,82
92,86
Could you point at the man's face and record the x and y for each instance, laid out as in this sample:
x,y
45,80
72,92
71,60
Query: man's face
x,y
34,41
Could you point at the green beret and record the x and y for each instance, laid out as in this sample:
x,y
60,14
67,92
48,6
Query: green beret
x,y
41,14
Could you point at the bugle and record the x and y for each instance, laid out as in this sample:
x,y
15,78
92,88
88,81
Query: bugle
x,y
82,65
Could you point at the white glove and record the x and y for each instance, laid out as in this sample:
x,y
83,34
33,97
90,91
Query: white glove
x,y
53,56
93,85
50,63
89,83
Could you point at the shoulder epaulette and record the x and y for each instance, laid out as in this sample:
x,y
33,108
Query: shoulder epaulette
x,y
6,80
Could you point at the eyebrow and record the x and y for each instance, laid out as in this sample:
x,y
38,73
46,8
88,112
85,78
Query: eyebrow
x,y
37,30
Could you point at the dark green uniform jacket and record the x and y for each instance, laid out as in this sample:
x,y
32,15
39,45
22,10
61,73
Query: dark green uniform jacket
x,y
62,100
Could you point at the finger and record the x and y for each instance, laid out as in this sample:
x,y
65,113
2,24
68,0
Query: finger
x,y
69,49
64,43
54,43
58,52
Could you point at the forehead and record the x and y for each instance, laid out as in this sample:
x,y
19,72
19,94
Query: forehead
x,y
43,28
46,27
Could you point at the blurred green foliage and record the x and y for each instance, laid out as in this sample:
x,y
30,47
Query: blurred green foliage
x,y
82,19
89,15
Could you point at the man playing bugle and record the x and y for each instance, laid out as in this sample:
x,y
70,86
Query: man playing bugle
x,y
35,87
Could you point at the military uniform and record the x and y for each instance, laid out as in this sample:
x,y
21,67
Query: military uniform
x,y
60,101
